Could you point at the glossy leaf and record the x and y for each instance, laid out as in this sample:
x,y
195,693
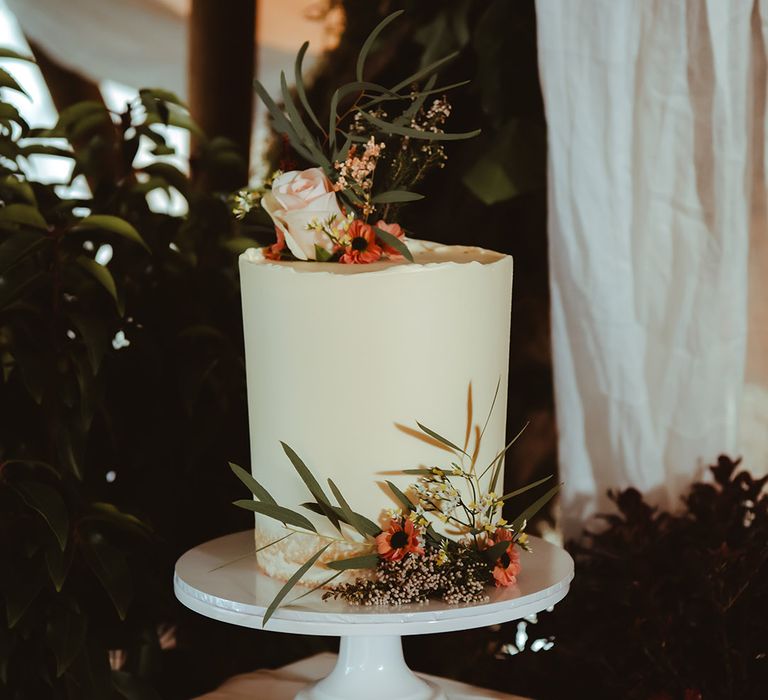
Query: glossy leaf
x,y
23,215
291,583
279,513
8,81
253,486
110,224
65,635
50,505
57,562
102,275
110,566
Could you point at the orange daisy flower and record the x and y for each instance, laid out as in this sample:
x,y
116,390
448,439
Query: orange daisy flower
x,y
400,539
508,564
361,246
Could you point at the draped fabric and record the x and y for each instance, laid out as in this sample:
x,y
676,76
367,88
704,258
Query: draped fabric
x,y
656,118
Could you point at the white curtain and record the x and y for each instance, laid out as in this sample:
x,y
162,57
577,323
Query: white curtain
x,y
656,116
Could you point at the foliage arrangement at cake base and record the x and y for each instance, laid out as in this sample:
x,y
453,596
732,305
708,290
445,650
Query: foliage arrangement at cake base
x,y
447,539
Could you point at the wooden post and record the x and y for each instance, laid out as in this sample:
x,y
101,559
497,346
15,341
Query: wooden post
x,y
222,64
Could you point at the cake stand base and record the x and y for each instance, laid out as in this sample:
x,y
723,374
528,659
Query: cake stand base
x,y
372,668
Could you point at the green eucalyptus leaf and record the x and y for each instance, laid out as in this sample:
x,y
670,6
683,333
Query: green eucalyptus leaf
x,y
417,103
404,500
396,196
322,584
280,122
23,215
65,635
49,504
110,566
523,489
369,42
337,96
391,128
318,157
364,526
253,486
393,242
524,518
425,72
110,224
291,583
300,90
280,513
306,476
8,81
440,438
366,561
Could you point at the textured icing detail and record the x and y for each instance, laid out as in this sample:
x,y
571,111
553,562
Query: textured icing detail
x,y
426,254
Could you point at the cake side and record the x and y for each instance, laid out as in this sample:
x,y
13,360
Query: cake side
x,y
341,360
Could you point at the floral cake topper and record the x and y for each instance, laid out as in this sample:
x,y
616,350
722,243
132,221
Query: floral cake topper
x,y
446,540
379,143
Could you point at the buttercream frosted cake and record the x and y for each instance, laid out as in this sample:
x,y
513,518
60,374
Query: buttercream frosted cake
x,y
342,360
376,364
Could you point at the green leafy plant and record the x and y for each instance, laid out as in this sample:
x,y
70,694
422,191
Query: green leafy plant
x,y
81,340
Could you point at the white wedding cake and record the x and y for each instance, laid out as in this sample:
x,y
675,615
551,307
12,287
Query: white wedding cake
x,y
342,360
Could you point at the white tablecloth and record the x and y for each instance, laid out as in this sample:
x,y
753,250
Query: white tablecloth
x,y
283,683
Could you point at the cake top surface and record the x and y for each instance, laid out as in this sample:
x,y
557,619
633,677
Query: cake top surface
x,y
426,254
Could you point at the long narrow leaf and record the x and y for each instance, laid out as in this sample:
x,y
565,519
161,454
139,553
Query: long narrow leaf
x,y
338,95
490,410
522,520
299,80
279,513
528,487
415,93
394,242
418,103
392,128
440,438
396,196
366,561
253,486
406,502
300,128
368,44
322,584
351,517
499,459
280,121
371,526
425,72
250,554
311,483
290,584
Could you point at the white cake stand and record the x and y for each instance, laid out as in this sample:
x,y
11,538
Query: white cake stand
x,y
220,580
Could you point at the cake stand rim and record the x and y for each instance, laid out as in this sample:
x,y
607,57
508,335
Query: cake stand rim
x,y
431,617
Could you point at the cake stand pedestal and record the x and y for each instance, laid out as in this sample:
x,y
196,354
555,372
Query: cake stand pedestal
x,y
219,579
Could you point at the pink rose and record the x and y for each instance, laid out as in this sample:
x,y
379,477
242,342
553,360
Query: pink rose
x,y
296,199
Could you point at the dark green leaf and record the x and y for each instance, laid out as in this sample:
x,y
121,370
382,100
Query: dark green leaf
x,y
19,595
519,491
102,275
110,224
321,254
499,459
495,551
524,518
280,513
77,112
337,96
391,128
440,438
162,95
396,196
306,476
419,472
406,502
171,174
425,72
20,189
57,563
280,121
291,583
24,215
318,157
352,518
368,44
393,242
300,91
65,635
322,584
366,561
50,505
95,334
18,247
253,486
110,566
